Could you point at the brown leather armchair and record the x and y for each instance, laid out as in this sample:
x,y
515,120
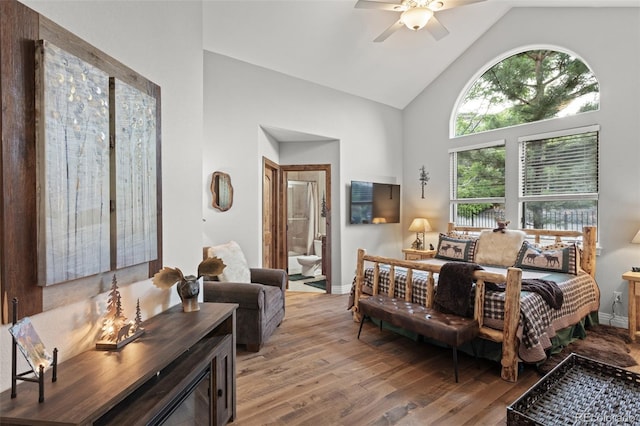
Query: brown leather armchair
x,y
261,304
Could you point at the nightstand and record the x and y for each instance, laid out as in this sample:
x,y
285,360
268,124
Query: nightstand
x,y
634,294
413,254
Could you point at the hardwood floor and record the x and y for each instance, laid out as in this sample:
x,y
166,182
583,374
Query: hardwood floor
x,y
314,371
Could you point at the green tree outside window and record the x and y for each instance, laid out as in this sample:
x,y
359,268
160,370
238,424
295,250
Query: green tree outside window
x,y
527,87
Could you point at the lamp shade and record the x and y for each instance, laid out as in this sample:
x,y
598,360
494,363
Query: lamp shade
x,y
416,17
420,224
636,239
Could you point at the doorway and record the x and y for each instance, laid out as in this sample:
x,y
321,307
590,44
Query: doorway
x,y
297,229
307,204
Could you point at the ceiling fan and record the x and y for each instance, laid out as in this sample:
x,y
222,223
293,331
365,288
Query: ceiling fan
x,y
415,14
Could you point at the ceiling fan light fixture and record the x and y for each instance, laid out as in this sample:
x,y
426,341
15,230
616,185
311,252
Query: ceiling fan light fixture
x,y
436,5
416,17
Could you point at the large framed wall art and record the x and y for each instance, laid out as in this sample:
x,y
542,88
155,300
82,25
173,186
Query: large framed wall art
x,y
134,178
72,166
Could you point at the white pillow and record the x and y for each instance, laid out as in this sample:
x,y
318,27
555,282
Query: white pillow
x,y
237,269
497,248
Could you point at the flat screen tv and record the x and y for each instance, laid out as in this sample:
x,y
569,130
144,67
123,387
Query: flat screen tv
x,y
375,203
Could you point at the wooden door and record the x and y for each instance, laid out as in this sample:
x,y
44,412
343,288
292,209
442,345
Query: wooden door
x,y
271,244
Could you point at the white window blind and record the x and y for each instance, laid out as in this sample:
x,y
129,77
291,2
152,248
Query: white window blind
x,y
564,166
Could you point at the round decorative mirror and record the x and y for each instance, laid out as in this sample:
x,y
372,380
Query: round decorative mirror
x,y
222,191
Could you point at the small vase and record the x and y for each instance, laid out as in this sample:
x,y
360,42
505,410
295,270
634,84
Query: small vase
x,y
188,290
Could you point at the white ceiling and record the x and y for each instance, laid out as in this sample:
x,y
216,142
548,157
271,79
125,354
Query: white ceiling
x,y
329,42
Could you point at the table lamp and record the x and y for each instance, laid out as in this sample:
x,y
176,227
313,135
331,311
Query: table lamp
x,y
636,240
419,225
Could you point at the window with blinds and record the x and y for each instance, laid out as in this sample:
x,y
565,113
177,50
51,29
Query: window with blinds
x,y
559,179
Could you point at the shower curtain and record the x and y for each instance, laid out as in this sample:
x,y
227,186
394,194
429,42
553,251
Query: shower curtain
x,y
312,210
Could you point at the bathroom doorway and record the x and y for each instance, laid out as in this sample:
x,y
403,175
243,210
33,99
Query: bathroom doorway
x,y
307,206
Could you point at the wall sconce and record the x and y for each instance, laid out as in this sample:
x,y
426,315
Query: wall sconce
x,y
636,240
419,225
424,178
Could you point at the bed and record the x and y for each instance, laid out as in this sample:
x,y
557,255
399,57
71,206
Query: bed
x,y
521,321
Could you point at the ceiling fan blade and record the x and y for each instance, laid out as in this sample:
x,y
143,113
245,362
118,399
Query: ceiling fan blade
x,y
436,29
368,4
392,29
450,4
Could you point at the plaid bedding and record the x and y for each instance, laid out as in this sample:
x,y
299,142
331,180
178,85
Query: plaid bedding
x,y
538,321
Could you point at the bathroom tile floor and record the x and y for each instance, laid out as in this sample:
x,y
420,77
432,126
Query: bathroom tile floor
x,y
300,286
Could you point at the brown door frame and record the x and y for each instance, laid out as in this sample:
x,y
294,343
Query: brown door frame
x,y
326,255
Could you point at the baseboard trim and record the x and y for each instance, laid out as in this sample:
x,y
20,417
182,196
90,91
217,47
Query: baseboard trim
x,y
614,320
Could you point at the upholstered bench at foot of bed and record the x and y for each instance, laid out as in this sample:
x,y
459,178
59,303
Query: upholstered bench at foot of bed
x,y
452,330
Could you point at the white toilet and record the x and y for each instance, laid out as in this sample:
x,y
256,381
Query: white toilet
x,y
311,263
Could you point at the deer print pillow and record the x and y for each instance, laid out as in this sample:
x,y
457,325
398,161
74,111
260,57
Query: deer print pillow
x,y
460,249
558,257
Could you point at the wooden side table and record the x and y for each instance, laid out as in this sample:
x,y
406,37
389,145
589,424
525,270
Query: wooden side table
x,y
634,294
413,254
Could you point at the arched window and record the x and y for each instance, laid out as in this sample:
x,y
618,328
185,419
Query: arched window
x,y
529,86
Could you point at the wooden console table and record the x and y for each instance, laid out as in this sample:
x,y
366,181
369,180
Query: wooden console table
x,y
145,381
634,293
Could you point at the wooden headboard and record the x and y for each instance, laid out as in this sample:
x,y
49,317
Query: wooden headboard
x,y
585,238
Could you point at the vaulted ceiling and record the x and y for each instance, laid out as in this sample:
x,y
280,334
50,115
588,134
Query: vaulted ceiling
x,y
330,42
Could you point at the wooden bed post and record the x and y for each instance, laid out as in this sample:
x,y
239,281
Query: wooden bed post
x,y
588,259
392,281
431,284
478,308
511,322
408,287
359,283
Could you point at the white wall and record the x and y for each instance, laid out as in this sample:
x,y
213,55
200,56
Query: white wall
x,y
608,40
161,40
239,98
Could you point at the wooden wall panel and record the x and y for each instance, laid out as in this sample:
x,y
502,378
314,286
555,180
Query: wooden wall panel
x,y
18,270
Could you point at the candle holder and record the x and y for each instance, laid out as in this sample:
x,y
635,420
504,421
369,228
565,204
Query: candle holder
x,y
117,330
